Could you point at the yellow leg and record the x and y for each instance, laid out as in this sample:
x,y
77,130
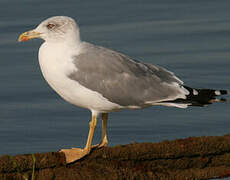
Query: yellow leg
x,y
92,126
104,139
78,153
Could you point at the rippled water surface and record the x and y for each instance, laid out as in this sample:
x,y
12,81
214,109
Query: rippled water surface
x,y
190,38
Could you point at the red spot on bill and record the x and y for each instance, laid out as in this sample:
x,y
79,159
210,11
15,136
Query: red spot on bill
x,y
25,38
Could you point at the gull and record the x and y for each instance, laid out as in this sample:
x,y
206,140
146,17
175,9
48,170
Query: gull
x,y
103,80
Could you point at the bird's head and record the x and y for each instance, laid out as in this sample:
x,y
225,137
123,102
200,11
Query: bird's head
x,y
54,29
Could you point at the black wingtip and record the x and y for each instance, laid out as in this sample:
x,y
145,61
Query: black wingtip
x,y
201,97
222,92
206,96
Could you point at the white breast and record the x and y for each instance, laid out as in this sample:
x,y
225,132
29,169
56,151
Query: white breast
x,y
55,65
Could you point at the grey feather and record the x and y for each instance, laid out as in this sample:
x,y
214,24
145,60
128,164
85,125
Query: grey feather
x,y
122,80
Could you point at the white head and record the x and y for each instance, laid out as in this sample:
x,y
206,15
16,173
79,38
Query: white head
x,y
55,29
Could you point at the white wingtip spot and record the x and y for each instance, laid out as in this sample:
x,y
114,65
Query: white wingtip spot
x,y
195,92
217,93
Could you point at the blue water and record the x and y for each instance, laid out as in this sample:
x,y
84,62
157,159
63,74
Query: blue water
x,y
190,38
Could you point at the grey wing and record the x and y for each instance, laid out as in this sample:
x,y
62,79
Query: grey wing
x,y
124,81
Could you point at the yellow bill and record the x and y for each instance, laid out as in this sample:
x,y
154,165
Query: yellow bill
x,y
28,35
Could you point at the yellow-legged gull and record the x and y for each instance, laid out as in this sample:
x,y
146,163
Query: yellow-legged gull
x,y
103,80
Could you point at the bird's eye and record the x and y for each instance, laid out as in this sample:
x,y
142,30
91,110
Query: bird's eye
x,y
50,26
